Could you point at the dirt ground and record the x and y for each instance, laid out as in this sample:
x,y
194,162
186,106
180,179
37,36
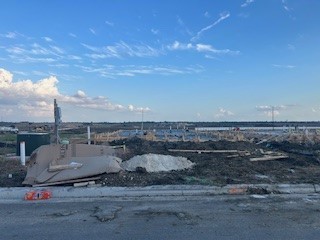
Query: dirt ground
x,y
302,166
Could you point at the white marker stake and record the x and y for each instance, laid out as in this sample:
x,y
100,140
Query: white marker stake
x,y
23,153
88,129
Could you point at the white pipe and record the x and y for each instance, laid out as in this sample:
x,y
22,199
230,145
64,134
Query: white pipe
x,y
23,153
88,130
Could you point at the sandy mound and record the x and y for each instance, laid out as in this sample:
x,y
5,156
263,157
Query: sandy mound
x,y
157,163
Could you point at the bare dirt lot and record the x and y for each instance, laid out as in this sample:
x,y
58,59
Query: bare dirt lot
x,y
302,166
211,168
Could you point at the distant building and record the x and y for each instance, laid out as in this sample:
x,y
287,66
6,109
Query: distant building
x,y
9,129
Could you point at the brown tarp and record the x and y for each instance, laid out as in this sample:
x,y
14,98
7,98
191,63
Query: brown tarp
x,y
59,162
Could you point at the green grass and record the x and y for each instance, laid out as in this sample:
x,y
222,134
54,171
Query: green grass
x,y
8,137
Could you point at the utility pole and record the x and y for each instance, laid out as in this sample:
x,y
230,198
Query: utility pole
x,y
57,122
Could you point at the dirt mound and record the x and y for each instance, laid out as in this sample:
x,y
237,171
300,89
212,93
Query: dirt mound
x,y
156,163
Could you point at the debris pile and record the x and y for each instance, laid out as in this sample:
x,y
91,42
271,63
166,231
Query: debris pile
x,y
57,163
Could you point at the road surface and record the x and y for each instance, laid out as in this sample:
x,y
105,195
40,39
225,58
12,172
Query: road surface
x,y
217,217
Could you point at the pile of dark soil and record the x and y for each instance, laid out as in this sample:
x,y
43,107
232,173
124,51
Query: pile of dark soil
x,y
12,173
218,168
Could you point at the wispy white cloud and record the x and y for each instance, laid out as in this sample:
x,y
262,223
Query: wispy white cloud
x,y
291,47
210,56
20,73
34,49
10,35
59,65
155,31
34,53
57,49
28,59
207,14
277,107
283,66
138,109
72,35
112,71
39,73
92,48
285,6
121,49
13,35
223,113
47,39
209,48
73,57
92,31
200,48
183,26
35,99
247,3
111,24
223,16
315,109
180,46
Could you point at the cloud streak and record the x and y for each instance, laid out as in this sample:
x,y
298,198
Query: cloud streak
x,y
121,50
11,35
283,66
111,24
183,26
112,71
222,17
247,3
34,53
204,48
285,6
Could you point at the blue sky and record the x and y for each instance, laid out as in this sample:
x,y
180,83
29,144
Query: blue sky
x,y
174,60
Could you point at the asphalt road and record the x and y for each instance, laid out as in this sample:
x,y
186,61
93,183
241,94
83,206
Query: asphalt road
x,y
216,217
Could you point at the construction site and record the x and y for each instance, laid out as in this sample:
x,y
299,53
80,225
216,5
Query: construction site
x,y
106,154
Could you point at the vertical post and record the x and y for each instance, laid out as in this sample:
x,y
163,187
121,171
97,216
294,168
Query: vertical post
x,y
272,117
57,122
23,153
89,135
142,121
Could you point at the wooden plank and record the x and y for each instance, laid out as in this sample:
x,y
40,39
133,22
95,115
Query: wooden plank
x,y
67,181
203,151
268,158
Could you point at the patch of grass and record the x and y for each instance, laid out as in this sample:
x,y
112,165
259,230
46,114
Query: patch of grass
x,y
8,137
